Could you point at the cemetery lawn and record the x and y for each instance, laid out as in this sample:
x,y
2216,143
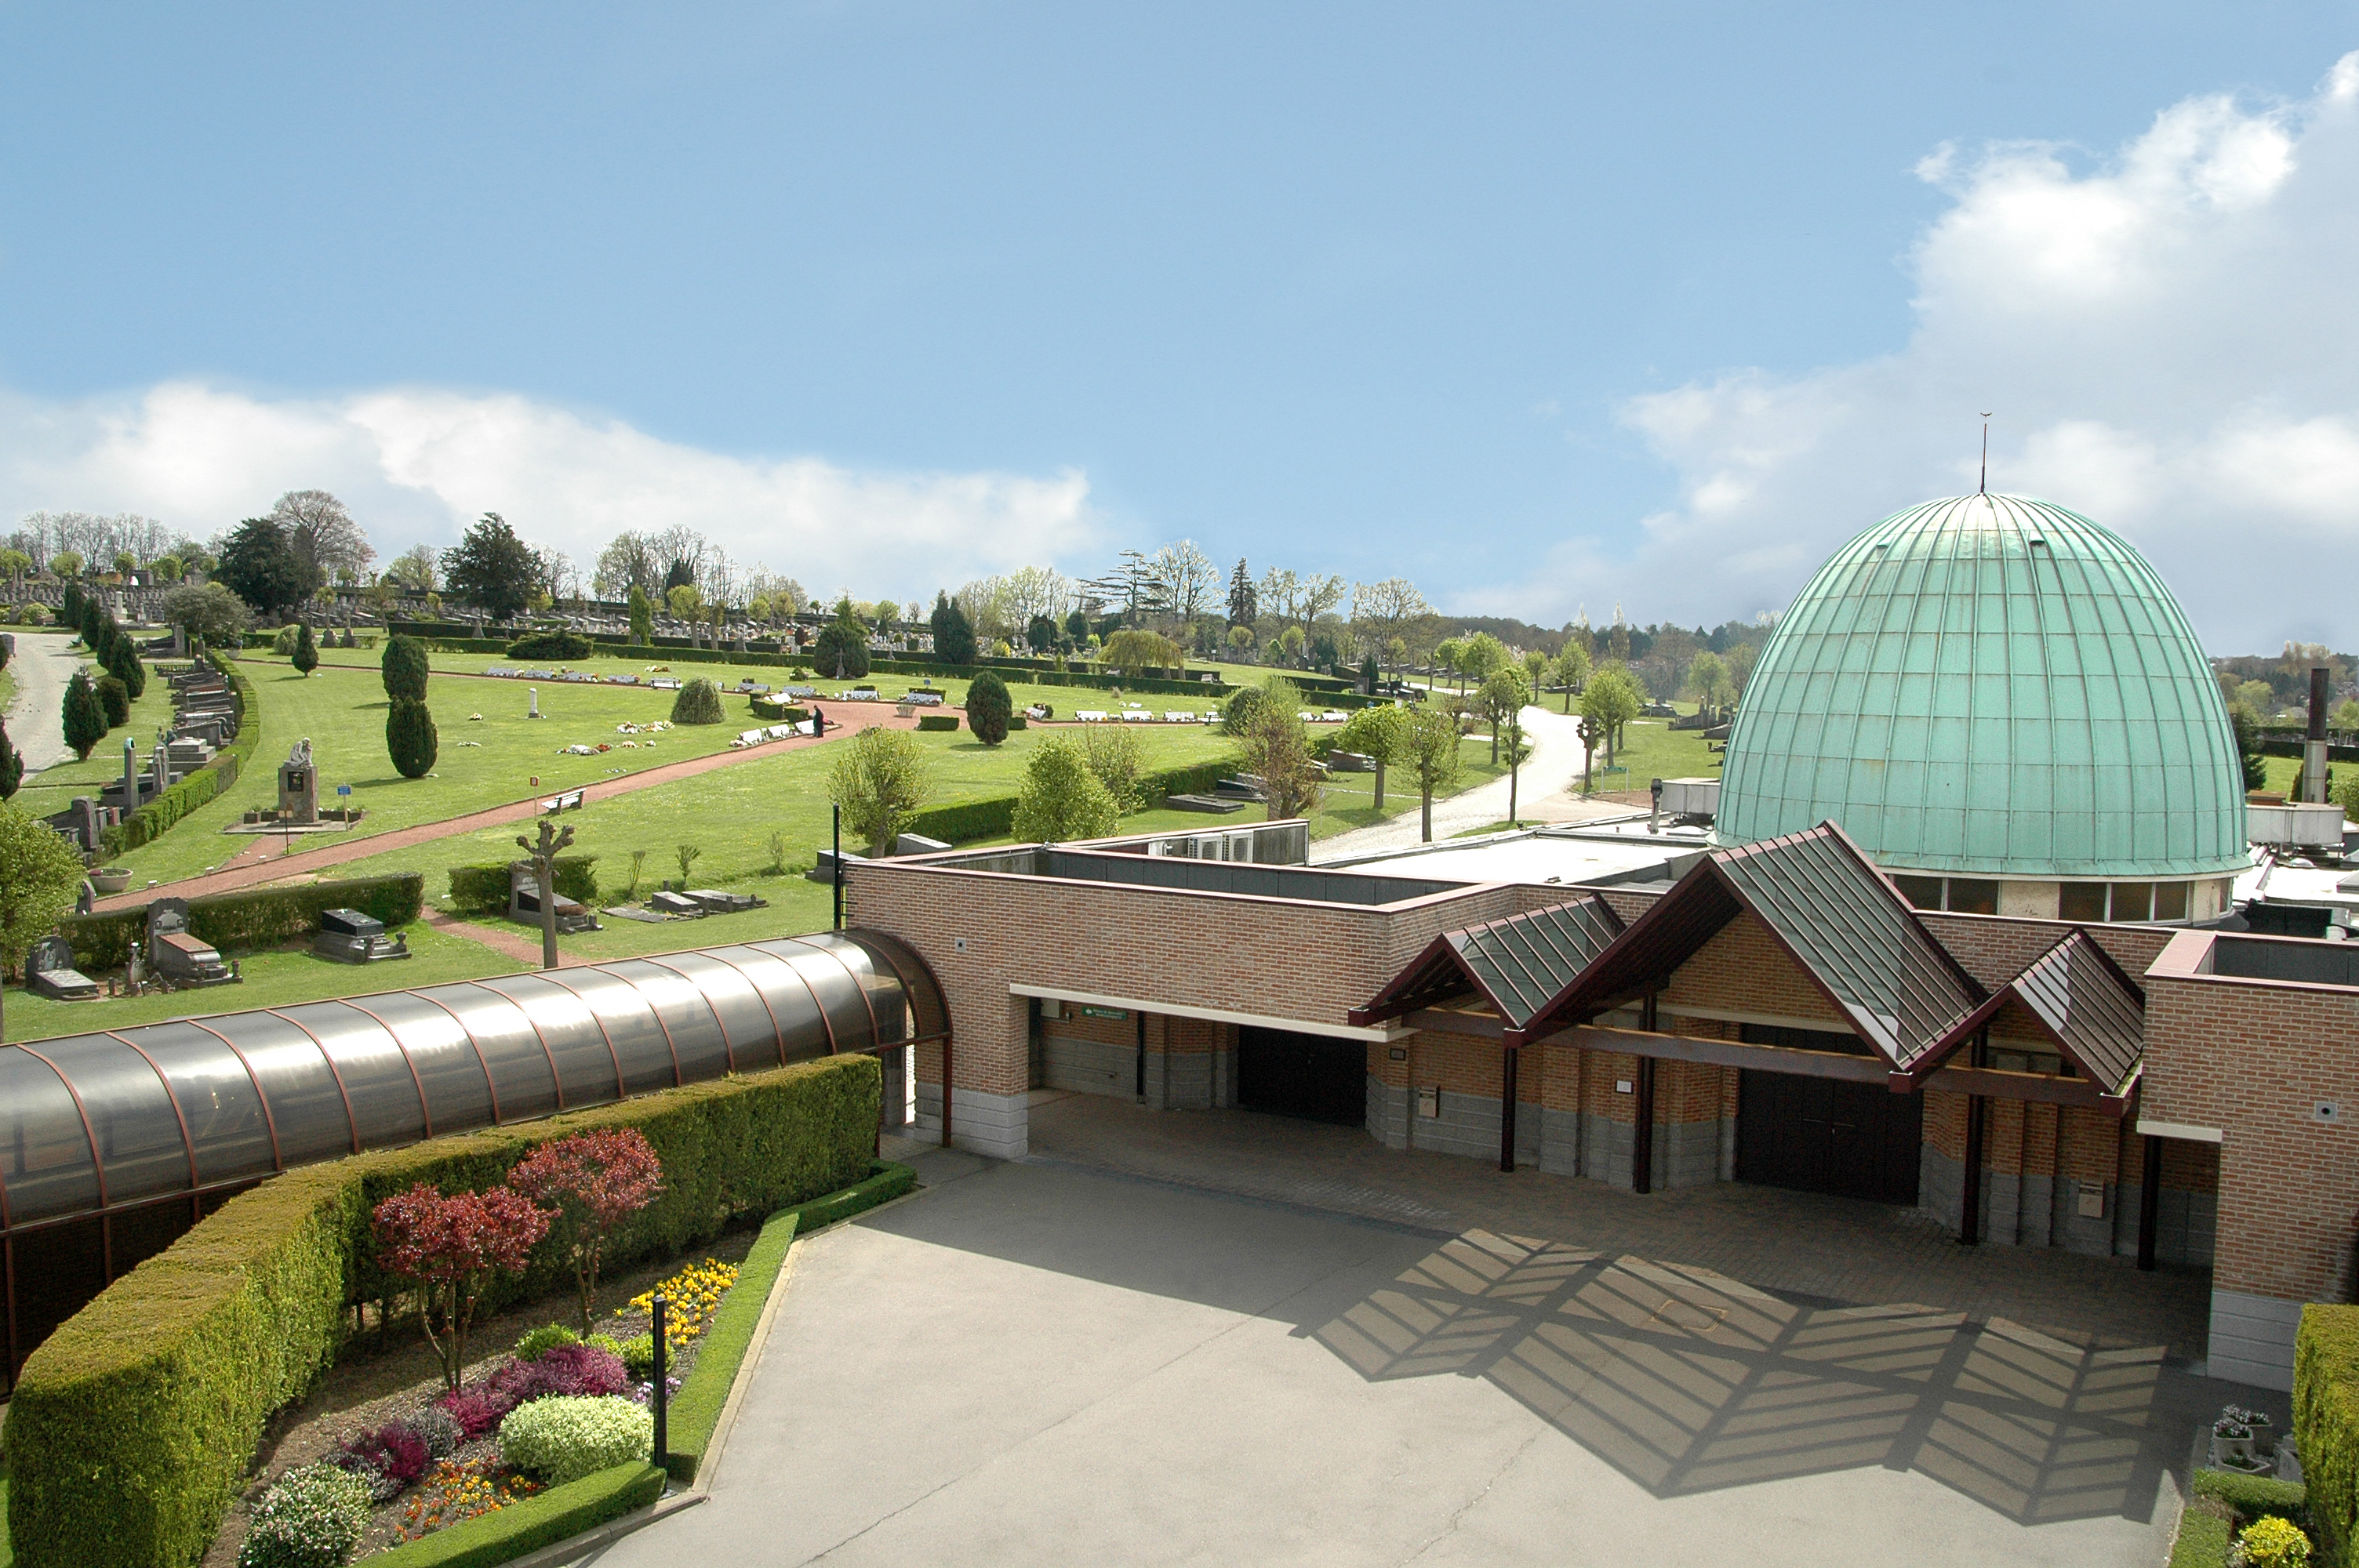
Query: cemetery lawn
x,y
342,711
278,978
1652,749
728,815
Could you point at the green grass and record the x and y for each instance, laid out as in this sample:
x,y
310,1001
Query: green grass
x,y
1652,749
730,814
275,979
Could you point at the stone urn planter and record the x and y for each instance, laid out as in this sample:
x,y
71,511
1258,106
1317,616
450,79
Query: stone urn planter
x,y
111,879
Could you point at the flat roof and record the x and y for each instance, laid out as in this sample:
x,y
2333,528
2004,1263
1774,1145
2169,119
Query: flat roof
x,y
1306,884
1589,854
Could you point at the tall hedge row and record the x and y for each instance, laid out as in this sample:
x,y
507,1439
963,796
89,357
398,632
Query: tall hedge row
x,y
132,1426
254,918
149,823
2326,1423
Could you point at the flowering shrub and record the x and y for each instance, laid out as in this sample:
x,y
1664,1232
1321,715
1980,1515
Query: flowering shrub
x,y
310,1517
449,1247
388,1459
570,1370
456,1492
562,1440
2272,1542
594,1182
640,1354
691,1298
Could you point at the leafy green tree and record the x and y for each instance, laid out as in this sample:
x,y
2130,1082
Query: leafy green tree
x,y
493,567
307,652
405,667
842,646
1504,695
1137,651
1538,668
1060,800
1381,734
410,739
2248,727
260,566
1479,656
66,564
1433,753
1572,670
15,565
1610,700
86,719
953,635
1119,761
12,765
209,612
1237,713
643,616
1278,751
1709,681
683,602
879,782
40,875
114,701
988,707
1446,655
168,569
1041,633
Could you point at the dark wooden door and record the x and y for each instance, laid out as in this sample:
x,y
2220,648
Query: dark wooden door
x,y
1825,1135
1303,1074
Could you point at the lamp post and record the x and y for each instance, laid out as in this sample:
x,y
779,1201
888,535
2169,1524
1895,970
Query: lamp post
x,y
544,862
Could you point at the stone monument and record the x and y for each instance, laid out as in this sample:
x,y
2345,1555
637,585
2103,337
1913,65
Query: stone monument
x,y
532,696
176,955
50,972
299,784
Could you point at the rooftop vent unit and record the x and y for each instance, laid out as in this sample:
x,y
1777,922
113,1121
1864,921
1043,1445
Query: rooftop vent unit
x,y
1692,802
2296,826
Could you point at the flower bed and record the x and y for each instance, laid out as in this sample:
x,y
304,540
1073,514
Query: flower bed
x,y
430,1459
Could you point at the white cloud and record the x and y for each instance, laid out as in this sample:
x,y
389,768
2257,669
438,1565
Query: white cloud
x,y
2169,342
419,465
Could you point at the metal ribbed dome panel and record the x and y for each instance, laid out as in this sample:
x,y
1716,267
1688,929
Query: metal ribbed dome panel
x,y
113,1142
1991,686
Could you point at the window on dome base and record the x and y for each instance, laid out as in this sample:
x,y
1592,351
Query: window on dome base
x,y
2080,901
1968,896
2170,901
2133,901
1924,892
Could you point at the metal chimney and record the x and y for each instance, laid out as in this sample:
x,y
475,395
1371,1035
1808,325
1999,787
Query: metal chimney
x,y
2314,749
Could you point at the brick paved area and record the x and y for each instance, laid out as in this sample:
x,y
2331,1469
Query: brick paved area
x,y
1804,1246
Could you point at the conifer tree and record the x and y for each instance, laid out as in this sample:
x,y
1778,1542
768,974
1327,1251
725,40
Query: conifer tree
x,y
85,721
12,765
409,738
307,652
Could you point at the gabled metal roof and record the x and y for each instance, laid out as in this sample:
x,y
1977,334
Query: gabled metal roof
x,y
1517,965
1839,919
2083,1001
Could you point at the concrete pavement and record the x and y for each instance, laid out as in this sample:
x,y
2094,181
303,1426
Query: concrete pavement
x,y
1554,764
41,669
1029,1364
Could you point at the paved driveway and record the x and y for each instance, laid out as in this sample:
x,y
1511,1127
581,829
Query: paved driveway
x,y
1039,1364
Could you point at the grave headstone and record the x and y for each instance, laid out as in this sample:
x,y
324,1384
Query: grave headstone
x,y
50,972
299,784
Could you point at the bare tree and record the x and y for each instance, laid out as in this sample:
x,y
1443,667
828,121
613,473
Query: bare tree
x,y
1300,598
1190,579
1383,610
1037,590
323,534
415,570
989,607
629,561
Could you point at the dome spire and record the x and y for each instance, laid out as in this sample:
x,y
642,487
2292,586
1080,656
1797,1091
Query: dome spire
x,y
1984,488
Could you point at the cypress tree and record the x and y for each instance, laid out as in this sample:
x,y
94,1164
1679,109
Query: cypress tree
x,y
121,659
405,668
643,617
409,738
988,707
114,701
307,652
12,766
69,606
85,721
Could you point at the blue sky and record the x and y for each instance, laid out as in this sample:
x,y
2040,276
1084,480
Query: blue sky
x,y
1370,289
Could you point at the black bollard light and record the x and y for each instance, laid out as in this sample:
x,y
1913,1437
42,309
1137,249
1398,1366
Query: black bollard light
x,y
662,1391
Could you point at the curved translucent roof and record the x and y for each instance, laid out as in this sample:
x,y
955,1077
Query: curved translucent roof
x,y
1990,686
114,1120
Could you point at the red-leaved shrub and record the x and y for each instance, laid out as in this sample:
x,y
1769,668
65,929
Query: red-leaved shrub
x,y
448,1249
594,1182
567,1369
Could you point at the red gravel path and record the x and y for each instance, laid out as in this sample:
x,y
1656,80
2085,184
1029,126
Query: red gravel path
x,y
260,862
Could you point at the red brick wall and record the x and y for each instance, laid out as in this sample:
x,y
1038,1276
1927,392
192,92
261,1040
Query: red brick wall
x,y
1744,969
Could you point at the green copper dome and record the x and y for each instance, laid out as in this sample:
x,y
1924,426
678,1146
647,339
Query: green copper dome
x,y
1996,687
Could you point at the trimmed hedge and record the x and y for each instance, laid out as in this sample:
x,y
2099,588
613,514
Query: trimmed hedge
x,y
557,1514
258,917
143,1410
484,890
938,721
550,645
695,1413
2256,1497
149,823
2326,1422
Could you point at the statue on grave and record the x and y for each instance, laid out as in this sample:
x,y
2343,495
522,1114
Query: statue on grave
x,y
299,785
86,901
300,755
